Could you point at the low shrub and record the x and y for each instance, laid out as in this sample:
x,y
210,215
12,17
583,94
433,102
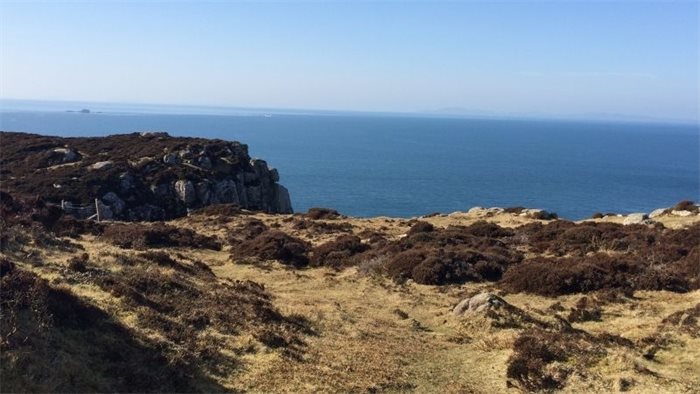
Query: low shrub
x,y
79,263
337,253
585,310
219,210
274,245
534,352
141,236
514,210
686,205
557,276
322,213
420,227
543,215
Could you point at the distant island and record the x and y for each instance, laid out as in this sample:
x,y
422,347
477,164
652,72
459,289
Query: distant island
x,y
82,111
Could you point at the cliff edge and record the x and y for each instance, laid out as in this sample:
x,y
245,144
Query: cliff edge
x,y
139,176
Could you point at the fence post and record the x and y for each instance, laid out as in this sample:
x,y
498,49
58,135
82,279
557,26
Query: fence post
x,y
97,210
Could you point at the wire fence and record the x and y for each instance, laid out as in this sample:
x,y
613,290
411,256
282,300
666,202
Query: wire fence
x,y
82,211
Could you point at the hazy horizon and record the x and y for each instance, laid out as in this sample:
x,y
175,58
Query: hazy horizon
x,y
9,105
600,61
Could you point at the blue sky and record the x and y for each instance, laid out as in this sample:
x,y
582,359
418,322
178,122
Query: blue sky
x,y
635,59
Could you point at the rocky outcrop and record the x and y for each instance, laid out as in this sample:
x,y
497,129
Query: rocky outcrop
x,y
141,176
636,218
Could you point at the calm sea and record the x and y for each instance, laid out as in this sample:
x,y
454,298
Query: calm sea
x,y
368,165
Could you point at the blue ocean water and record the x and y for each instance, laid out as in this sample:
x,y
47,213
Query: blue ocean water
x,y
370,164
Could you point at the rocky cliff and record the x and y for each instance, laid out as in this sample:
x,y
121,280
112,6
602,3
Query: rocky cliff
x,y
139,176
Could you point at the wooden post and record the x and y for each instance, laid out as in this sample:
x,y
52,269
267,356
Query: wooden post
x,y
97,210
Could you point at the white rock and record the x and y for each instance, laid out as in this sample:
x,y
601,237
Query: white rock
x,y
102,165
657,212
185,191
479,303
635,218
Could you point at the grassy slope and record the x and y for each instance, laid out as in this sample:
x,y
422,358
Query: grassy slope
x,y
375,335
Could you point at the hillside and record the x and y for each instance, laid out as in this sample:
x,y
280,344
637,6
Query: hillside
x,y
233,300
139,176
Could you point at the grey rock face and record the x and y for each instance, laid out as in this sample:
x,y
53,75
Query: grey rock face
x,y
126,182
226,192
204,193
116,204
204,162
185,192
283,203
106,212
171,159
190,174
66,155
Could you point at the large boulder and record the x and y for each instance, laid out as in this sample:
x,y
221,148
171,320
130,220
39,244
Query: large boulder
x,y
65,155
116,204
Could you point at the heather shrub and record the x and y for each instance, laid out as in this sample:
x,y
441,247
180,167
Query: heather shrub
x,y
486,229
274,245
219,210
337,253
420,227
685,205
553,277
79,263
533,353
585,310
141,236
322,213
543,215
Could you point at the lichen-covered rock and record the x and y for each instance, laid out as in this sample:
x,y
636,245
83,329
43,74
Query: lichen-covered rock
x,y
185,192
479,303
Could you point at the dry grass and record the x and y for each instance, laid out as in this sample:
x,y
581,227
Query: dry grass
x,y
357,341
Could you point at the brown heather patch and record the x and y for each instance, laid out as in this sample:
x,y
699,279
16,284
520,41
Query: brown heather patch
x,y
273,245
322,213
337,253
157,235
